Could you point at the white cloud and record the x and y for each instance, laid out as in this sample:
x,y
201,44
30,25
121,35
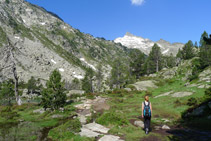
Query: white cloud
x,y
137,2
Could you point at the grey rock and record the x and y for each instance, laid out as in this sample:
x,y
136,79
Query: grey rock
x,y
139,123
39,111
165,127
72,92
88,133
128,89
96,128
57,116
181,94
165,94
144,85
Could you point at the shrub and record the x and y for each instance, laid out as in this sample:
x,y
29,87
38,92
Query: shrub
x,y
207,95
8,114
177,103
113,118
192,101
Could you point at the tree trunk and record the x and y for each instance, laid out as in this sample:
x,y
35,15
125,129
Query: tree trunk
x,y
157,66
17,97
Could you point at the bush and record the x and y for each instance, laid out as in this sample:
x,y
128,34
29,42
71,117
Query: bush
x,y
177,103
113,118
192,101
8,114
208,94
67,131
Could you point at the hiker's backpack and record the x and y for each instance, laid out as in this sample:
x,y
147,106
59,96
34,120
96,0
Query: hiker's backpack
x,y
147,110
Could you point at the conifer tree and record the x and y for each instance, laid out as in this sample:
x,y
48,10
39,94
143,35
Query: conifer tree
x,y
87,82
155,57
54,95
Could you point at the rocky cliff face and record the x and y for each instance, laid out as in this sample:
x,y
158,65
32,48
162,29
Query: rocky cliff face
x,y
145,45
44,43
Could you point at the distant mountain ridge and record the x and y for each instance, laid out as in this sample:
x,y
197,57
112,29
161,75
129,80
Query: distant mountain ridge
x,y
131,41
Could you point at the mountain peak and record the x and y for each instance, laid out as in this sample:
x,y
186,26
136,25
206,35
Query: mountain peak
x,y
129,34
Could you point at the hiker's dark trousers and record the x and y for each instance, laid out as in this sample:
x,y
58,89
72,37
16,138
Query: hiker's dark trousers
x,y
147,122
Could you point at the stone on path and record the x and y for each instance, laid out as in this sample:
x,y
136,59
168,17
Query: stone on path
x,y
88,133
139,123
165,94
165,127
96,127
181,94
110,138
82,119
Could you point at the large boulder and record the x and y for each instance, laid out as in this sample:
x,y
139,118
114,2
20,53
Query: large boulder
x,y
144,85
181,94
168,73
139,123
205,75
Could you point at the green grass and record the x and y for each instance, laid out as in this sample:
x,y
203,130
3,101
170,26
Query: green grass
x,y
129,105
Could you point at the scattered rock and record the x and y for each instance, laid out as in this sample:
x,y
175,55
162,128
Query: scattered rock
x,y
181,94
72,92
201,86
153,75
165,120
165,127
157,127
186,84
128,89
39,111
139,123
82,119
110,138
165,94
192,85
96,128
88,133
144,85
57,116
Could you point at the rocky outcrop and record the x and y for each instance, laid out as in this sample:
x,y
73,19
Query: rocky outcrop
x,y
44,43
144,85
181,94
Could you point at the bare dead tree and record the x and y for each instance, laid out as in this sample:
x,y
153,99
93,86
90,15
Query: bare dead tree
x,y
10,65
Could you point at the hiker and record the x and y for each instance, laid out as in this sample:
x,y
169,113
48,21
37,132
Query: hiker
x,y
146,113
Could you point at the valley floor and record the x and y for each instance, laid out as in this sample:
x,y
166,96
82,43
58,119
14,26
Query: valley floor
x,y
115,115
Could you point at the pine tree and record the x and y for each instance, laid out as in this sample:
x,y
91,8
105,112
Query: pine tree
x,y
87,82
7,91
205,51
188,51
155,57
137,63
54,95
99,77
33,85
204,35
117,74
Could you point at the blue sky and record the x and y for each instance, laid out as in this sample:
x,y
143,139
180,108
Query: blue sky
x,y
171,20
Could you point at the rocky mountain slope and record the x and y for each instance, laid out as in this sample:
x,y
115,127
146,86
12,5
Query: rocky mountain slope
x,y
145,45
43,42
